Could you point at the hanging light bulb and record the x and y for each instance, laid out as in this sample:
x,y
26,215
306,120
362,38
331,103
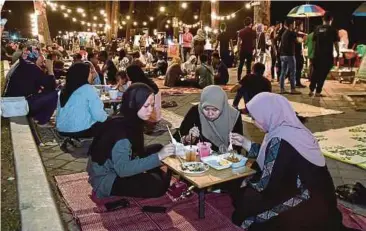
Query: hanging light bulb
x,y
151,19
84,15
100,25
123,22
167,26
135,23
184,5
62,7
95,17
102,12
82,22
74,19
66,15
69,11
88,24
247,5
115,21
168,21
144,23
79,10
233,15
228,17
162,9
196,17
128,17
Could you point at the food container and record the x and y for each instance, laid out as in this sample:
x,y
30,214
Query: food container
x,y
236,160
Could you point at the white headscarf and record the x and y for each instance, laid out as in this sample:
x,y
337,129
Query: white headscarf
x,y
188,66
200,36
277,118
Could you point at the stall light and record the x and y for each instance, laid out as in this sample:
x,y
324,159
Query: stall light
x,y
162,9
167,26
62,7
151,19
84,15
95,17
247,5
68,11
144,23
168,21
66,15
135,23
82,23
74,19
123,22
128,17
88,24
196,17
233,15
79,10
184,5
102,12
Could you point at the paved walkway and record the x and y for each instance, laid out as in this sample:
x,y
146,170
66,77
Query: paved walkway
x,y
59,163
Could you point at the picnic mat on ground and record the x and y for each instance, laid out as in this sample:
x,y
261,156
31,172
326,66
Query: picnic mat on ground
x,y
184,90
345,144
182,215
174,119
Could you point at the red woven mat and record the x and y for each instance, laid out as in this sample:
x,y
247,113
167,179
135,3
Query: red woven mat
x,y
182,215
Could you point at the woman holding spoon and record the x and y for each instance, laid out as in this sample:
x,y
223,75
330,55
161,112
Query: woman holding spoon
x,y
212,120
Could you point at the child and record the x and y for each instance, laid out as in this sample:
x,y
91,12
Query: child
x,y
122,82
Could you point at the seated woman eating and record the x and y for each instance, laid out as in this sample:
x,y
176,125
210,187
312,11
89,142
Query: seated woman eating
x,y
293,189
80,111
212,120
119,165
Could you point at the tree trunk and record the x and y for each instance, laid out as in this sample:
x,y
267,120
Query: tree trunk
x,y
129,22
114,18
205,16
44,35
262,13
215,9
108,10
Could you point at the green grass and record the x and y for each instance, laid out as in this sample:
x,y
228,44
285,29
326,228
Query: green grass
x,y
10,216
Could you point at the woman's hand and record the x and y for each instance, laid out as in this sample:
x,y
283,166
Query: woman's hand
x,y
239,140
194,132
166,151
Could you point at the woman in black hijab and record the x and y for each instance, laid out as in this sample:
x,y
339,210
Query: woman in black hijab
x,y
119,164
137,75
80,111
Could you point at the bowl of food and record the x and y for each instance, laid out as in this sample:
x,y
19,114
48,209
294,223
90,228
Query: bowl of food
x,y
236,160
194,168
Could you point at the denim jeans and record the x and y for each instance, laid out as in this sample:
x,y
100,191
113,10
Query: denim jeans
x,y
288,64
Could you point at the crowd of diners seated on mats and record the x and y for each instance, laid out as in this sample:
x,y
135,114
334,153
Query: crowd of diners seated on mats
x,y
292,189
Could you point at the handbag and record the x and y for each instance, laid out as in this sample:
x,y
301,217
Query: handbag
x,y
14,106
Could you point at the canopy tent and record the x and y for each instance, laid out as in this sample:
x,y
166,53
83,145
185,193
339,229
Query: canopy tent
x,y
360,11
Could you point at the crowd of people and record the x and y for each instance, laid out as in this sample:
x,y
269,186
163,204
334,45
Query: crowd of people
x,y
292,189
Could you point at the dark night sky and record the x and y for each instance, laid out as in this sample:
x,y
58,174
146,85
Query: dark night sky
x,y
342,11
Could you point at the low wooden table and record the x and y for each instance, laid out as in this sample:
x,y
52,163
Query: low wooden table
x,y
210,178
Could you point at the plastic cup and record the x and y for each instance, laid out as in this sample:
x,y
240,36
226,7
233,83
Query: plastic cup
x,y
204,149
191,155
113,94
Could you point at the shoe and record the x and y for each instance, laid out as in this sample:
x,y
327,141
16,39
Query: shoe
x,y
294,92
46,125
311,94
300,86
318,95
283,91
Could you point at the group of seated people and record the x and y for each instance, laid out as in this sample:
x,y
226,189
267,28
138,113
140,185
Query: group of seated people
x,y
200,76
292,189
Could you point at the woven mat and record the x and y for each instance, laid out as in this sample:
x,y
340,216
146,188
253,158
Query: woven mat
x,y
345,144
182,215
183,90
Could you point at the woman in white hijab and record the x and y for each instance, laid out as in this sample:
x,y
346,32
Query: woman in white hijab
x,y
190,65
293,189
199,42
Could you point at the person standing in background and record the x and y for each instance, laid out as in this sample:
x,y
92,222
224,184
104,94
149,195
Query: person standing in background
x,y
187,43
288,61
246,44
309,43
325,36
299,28
224,40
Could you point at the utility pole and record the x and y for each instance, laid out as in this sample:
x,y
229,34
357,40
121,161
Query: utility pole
x,y
43,28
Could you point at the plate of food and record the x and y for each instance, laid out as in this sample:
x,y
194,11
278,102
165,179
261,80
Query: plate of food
x,y
217,162
236,159
194,168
